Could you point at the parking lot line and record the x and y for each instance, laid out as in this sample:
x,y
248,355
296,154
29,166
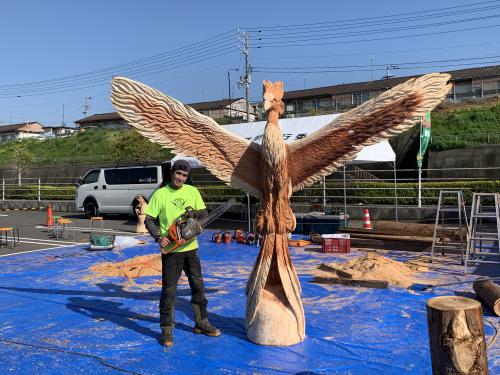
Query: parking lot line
x,y
87,230
41,240
33,251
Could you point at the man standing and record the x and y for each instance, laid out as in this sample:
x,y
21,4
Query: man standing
x,y
167,204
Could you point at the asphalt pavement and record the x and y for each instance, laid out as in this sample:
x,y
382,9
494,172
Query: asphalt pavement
x,y
34,236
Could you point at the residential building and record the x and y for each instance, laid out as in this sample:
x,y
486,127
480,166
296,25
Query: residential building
x,y
467,84
52,131
231,108
110,120
234,109
21,131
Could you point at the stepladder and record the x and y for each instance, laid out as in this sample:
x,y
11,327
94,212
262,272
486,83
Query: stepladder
x,y
450,228
484,230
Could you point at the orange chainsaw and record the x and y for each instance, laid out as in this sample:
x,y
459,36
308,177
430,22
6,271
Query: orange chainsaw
x,y
187,227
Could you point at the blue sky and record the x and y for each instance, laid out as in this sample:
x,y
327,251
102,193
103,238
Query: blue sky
x,y
57,52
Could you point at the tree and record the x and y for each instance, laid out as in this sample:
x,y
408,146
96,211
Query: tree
x,y
22,159
129,145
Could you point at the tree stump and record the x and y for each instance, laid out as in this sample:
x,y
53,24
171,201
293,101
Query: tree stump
x,y
456,336
489,292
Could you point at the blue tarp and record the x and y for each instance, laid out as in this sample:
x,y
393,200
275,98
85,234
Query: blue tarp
x,y
56,319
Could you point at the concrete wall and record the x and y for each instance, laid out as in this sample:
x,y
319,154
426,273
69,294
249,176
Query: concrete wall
x,y
474,157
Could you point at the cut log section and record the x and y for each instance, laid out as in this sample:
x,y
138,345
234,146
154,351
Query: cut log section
x,y
378,284
456,336
489,292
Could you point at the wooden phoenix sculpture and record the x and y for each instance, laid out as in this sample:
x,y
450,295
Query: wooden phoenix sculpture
x,y
273,171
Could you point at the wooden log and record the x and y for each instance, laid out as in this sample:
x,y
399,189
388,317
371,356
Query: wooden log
x,y
378,284
389,237
456,336
489,292
405,229
338,272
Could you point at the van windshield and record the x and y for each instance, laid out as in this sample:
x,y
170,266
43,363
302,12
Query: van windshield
x,y
91,177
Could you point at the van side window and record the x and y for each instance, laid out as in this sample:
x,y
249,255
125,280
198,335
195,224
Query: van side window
x,y
143,176
116,176
91,177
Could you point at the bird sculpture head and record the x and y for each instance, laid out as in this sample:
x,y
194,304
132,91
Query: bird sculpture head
x,y
272,95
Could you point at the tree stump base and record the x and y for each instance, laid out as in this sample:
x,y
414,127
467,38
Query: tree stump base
x,y
489,292
456,336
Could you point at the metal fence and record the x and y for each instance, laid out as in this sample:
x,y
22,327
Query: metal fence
x,y
55,188
351,186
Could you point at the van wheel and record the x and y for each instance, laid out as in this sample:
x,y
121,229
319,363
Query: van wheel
x,y
91,209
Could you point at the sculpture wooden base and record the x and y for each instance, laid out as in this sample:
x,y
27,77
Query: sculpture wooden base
x,y
274,323
140,227
275,315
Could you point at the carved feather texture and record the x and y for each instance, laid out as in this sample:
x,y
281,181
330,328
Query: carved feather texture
x,y
171,124
258,278
291,285
380,118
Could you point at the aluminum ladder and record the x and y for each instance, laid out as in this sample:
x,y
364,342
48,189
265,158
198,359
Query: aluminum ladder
x,y
483,229
439,240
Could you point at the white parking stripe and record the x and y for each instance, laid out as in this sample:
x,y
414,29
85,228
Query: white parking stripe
x,y
43,243
54,240
32,251
87,229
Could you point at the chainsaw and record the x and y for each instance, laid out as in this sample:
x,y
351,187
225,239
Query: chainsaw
x,y
187,227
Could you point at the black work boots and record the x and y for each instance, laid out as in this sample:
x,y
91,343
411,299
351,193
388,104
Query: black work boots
x,y
202,323
204,326
167,336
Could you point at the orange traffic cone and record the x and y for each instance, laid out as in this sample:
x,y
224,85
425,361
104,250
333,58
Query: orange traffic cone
x,y
366,220
50,217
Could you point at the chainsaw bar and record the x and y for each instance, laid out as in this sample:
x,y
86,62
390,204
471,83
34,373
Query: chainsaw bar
x,y
216,213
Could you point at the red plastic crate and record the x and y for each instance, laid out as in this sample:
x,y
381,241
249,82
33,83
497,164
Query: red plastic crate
x,y
336,243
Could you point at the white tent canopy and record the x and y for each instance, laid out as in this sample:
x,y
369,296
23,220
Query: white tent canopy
x,y
297,128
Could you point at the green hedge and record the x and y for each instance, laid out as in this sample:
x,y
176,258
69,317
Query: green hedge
x,y
383,192
46,192
360,192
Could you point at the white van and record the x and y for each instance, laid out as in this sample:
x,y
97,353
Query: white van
x,y
114,190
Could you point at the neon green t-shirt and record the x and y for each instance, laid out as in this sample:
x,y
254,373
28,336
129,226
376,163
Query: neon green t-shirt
x,y
169,204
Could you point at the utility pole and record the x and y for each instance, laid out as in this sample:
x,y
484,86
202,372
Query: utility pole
x,y
229,92
371,68
86,106
388,69
63,123
246,80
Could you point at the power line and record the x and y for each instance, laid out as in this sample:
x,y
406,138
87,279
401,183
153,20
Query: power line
x,y
383,65
159,67
312,36
214,41
371,53
140,68
336,28
364,19
88,84
281,45
359,70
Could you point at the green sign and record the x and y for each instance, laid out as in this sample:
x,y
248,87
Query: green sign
x,y
425,136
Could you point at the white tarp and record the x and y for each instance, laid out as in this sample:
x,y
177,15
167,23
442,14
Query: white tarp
x,y
297,128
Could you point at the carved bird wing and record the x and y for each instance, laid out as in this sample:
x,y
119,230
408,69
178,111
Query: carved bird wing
x,y
382,117
171,124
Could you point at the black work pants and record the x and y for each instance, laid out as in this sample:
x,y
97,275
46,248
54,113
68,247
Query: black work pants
x,y
172,266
